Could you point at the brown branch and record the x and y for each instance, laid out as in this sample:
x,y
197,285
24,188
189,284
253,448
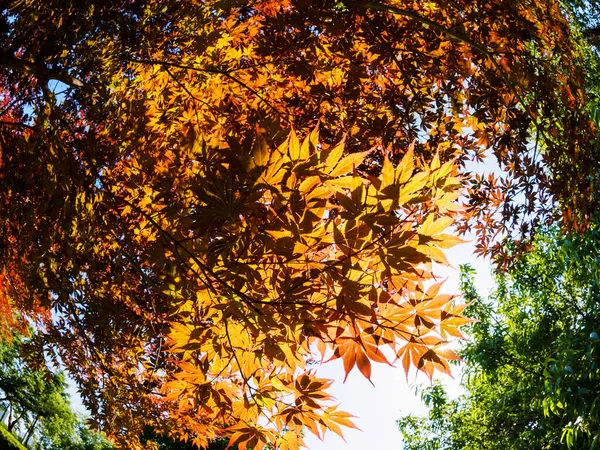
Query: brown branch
x,y
187,67
41,72
16,124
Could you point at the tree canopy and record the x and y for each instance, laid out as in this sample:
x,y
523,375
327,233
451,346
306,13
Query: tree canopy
x,y
200,199
531,365
31,398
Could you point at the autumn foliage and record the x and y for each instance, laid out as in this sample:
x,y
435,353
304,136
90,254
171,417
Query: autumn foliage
x,y
201,199
305,254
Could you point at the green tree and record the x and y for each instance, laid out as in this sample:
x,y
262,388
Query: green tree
x,y
532,366
83,438
33,399
36,405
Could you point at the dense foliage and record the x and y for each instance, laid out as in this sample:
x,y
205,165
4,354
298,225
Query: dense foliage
x,y
532,366
200,198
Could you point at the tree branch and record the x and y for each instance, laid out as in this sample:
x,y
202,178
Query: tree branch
x,y
16,124
592,32
41,72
